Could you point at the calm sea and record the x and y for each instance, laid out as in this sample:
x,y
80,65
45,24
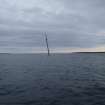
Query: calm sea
x,y
60,79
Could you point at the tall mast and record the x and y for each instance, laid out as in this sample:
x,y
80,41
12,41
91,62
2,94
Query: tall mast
x,y
46,39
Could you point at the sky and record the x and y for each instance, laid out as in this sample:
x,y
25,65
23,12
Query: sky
x,y
71,25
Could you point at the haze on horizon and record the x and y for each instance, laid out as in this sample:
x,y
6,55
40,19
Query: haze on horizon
x,y
71,25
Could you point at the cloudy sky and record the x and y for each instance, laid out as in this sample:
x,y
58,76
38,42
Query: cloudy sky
x,y
71,25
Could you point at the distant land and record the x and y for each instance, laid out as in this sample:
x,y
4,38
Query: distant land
x,y
90,52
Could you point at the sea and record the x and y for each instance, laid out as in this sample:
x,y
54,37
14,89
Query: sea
x,y
58,79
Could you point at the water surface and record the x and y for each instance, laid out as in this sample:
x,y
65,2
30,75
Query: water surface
x,y
61,79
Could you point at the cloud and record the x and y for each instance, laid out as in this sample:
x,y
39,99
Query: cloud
x,y
69,23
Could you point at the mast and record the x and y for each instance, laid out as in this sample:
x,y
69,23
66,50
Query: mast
x,y
47,44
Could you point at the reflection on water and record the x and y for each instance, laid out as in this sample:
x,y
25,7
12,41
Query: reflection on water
x,y
61,79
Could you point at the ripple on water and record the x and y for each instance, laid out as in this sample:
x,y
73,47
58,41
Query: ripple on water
x,y
69,79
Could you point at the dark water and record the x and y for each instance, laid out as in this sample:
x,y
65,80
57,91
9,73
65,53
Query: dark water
x,y
61,79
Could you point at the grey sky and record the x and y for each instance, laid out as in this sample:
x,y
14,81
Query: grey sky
x,y
69,23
